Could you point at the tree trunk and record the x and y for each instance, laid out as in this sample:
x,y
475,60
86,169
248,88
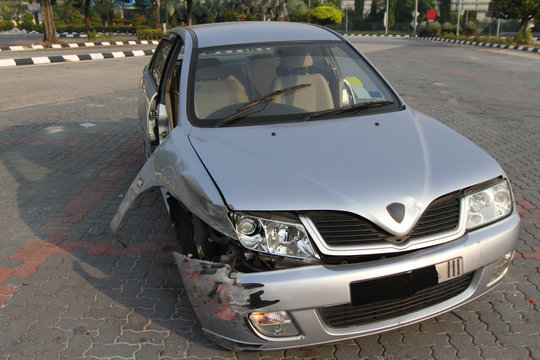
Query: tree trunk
x,y
49,29
87,15
189,11
524,23
158,20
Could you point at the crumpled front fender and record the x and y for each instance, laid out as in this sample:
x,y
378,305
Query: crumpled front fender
x,y
175,166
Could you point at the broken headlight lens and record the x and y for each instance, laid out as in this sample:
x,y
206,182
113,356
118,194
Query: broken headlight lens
x,y
488,205
274,237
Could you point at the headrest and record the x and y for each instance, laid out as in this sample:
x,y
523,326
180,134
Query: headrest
x,y
294,57
210,69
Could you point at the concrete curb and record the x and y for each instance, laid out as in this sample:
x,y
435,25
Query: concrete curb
x,y
73,58
77,45
76,34
380,35
476,43
452,41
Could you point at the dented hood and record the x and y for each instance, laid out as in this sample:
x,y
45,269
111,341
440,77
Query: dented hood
x,y
357,164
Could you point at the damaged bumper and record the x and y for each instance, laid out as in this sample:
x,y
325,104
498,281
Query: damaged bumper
x,y
223,298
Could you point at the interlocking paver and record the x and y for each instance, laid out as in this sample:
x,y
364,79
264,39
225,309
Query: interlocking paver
x,y
70,290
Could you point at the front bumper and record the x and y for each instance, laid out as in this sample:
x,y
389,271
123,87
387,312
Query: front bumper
x,y
223,298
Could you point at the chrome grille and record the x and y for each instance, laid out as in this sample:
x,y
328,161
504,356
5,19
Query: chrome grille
x,y
346,229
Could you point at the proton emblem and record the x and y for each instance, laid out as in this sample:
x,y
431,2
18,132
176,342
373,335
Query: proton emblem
x,y
397,211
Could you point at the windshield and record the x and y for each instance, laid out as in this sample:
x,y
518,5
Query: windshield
x,y
271,83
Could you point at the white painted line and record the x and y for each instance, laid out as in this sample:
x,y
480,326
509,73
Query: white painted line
x,y
73,58
37,47
138,53
144,42
106,43
96,56
72,45
7,62
89,44
118,43
118,54
132,42
16,48
41,60
56,46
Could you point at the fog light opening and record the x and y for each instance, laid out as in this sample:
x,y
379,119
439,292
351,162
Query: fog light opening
x,y
273,324
501,267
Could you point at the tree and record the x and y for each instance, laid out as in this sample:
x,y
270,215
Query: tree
x,y
524,10
326,14
49,29
87,16
444,10
359,8
158,20
189,11
376,12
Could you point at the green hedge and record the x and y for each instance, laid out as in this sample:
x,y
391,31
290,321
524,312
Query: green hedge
x,y
6,25
149,34
101,29
484,39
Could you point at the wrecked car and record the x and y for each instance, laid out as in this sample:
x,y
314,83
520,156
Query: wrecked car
x,y
310,202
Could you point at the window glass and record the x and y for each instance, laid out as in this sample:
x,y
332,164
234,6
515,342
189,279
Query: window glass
x,y
268,83
160,59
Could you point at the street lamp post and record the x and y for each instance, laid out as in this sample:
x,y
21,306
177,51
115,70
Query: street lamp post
x,y
458,16
415,17
386,19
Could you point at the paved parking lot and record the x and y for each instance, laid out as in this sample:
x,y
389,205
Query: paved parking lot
x,y
70,290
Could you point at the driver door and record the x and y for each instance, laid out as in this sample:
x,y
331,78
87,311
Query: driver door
x,y
160,89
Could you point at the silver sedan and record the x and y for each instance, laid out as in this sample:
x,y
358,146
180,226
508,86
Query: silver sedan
x,y
311,204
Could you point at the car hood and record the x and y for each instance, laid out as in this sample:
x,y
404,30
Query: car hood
x,y
356,164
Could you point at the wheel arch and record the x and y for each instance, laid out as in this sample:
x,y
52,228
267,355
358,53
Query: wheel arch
x,y
175,166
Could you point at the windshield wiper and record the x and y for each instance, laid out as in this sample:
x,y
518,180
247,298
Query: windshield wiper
x,y
355,107
261,100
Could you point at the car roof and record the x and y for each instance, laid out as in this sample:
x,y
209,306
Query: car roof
x,y
246,32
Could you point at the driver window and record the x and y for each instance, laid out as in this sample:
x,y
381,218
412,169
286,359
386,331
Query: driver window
x,y
160,60
173,89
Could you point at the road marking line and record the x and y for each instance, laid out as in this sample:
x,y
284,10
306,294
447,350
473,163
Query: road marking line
x,y
16,48
118,54
56,46
89,44
138,53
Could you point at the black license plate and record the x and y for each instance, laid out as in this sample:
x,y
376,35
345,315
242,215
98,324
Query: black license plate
x,y
393,287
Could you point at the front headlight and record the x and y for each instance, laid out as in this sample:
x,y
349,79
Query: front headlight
x,y
488,205
274,237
